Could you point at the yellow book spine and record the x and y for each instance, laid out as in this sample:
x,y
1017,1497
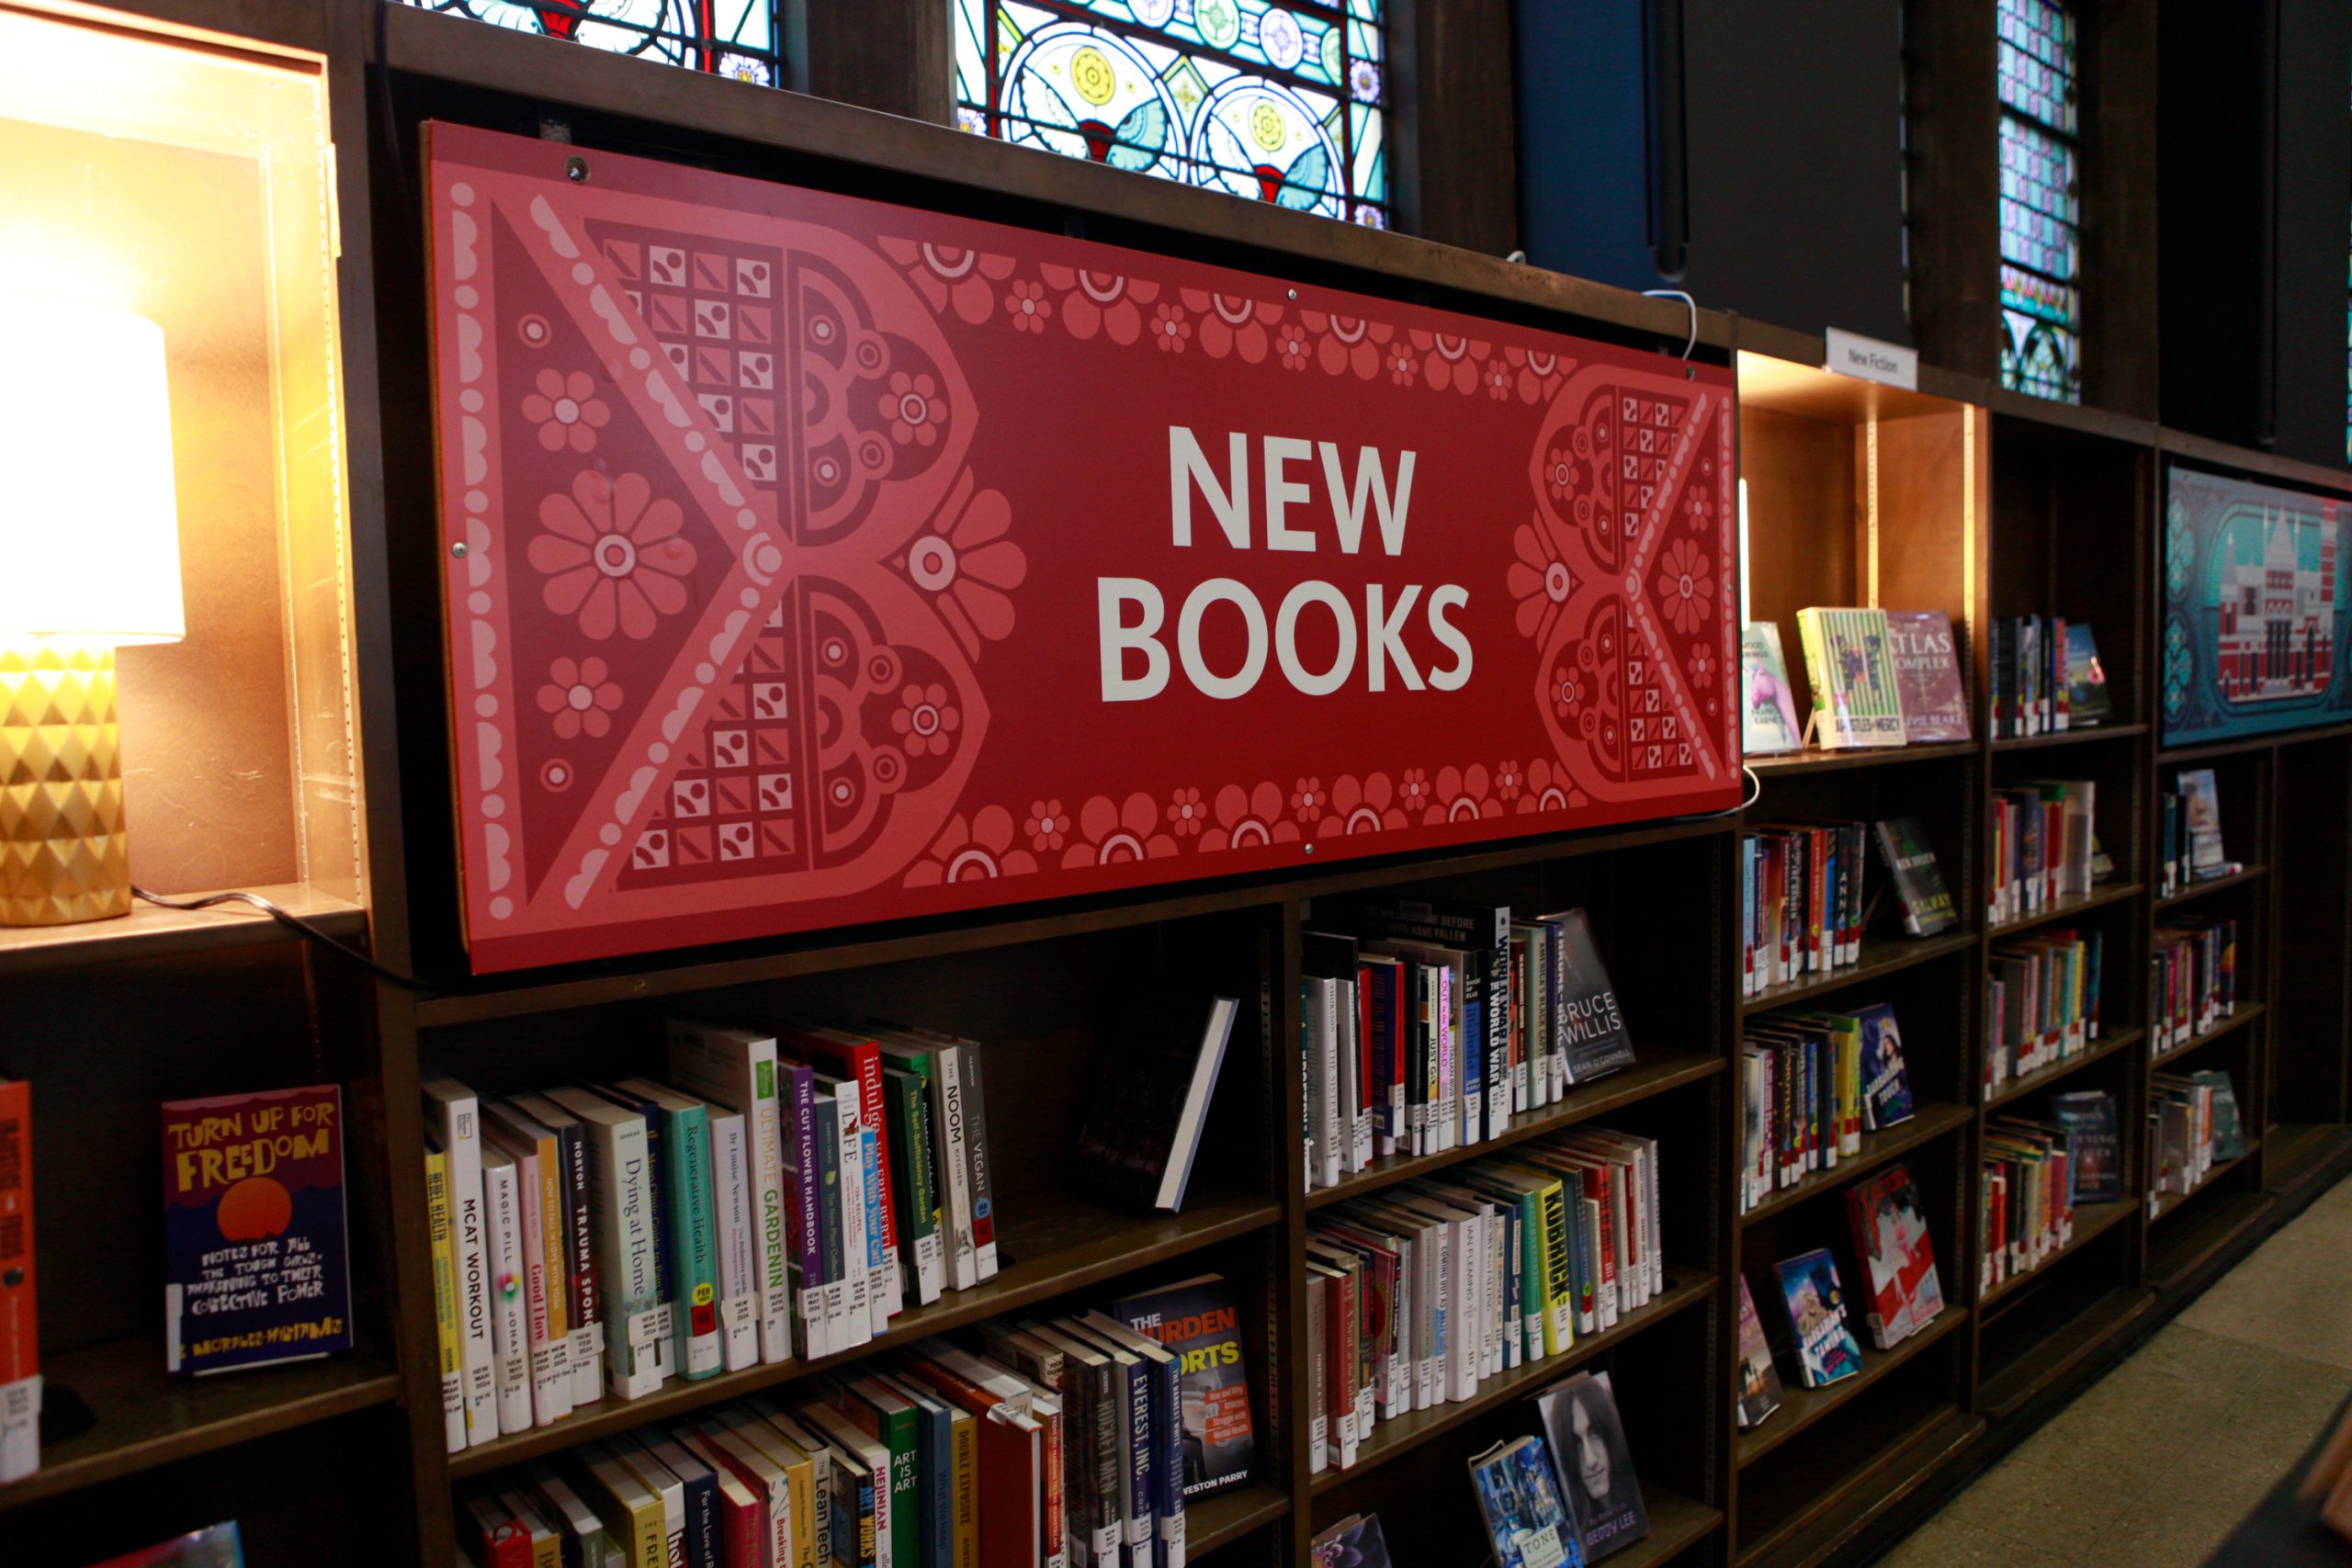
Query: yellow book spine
x,y
967,1493
1816,674
802,1479
546,1551
551,1230
444,1281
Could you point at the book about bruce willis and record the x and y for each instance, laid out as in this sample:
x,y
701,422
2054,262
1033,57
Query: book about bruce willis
x,y
255,1267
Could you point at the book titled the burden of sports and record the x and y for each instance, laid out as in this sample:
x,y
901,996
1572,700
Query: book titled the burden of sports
x,y
1767,712
1856,700
1926,673
1199,1321
1152,1097
256,1269
1596,1467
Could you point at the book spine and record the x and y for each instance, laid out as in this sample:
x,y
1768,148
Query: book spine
x,y
915,1185
983,1186
444,1301
586,1313
869,1062
955,1165
461,1140
550,1363
882,1269
846,1273
739,1279
693,1289
504,1265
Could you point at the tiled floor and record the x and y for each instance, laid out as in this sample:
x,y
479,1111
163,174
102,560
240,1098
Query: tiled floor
x,y
2151,1466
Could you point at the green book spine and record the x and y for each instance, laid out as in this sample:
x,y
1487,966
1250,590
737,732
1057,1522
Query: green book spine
x,y
914,1188
693,1252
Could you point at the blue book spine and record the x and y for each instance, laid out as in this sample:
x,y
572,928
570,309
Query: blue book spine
x,y
1471,1052
870,1158
827,1122
938,1447
1141,1514
1168,1463
705,1549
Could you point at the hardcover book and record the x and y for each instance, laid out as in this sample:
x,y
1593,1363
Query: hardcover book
x,y
1526,1522
2088,700
2229,1127
1886,1081
215,1546
1767,712
2096,1162
1759,1380
1856,701
1152,1097
1926,675
2201,805
19,1328
1878,1249
1823,1348
1200,1321
1354,1542
1918,882
1598,1040
255,1270
1596,1467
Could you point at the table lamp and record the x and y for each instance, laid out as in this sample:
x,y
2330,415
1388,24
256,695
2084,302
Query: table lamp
x,y
89,560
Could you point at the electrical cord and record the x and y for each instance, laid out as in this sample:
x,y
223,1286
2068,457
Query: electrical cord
x,y
293,922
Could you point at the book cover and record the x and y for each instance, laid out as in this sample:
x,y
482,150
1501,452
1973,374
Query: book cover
x,y
1152,1099
1925,656
1596,1467
2229,1127
215,1546
2088,699
2200,806
1918,882
1855,699
1767,712
19,1328
1886,1080
1870,1208
256,1269
2096,1148
1814,1308
1759,1380
454,1111
1199,1319
1598,1040
1923,1292
1355,1541
1526,1521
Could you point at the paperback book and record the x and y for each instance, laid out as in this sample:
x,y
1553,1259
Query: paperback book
x,y
2201,803
2088,699
1822,1346
1768,717
1595,1466
1199,1321
1927,676
255,1270
1856,699
20,1325
2098,1157
1897,1263
1759,1380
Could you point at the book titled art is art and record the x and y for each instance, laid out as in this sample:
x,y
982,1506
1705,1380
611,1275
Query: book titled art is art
x,y
255,1266
1848,659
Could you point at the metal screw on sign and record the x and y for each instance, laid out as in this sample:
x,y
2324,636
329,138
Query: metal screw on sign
x,y
459,549
576,170
1294,293
1310,849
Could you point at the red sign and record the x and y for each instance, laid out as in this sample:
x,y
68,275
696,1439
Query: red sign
x,y
827,561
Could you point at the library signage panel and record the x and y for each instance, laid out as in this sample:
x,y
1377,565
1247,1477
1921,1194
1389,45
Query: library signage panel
x,y
813,561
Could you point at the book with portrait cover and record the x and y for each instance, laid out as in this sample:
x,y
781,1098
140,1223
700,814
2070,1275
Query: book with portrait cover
x,y
1813,1307
1927,674
256,1269
2095,1155
1767,708
1856,701
1598,1040
1527,1523
1918,882
1596,1467
1200,1321
1759,1380
1872,1208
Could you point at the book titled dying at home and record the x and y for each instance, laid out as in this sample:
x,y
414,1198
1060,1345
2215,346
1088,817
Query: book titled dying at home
x,y
1598,1040
1927,674
1199,1319
1759,1380
1856,701
1822,1346
256,1269
1767,708
1918,882
1151,1100
1527,1522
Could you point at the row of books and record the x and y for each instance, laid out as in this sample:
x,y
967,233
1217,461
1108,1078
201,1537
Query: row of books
x,y
1030,1445
1805,898
2189,833
2192,979
2044,846
1879,678
1419,1293
1568,1496
2046,677
2042,1003
787,1191
1811,1085
1437,1022
2193,1126
2034,1174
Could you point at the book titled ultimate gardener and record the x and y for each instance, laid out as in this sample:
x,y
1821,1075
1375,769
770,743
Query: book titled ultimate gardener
x,y
255,1267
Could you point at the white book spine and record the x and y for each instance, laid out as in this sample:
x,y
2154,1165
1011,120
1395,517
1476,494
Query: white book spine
x,y
738,1278
881,1261
461,1140
503,1265
738,1069
20,1427
1329,1142
856,1322
955,1165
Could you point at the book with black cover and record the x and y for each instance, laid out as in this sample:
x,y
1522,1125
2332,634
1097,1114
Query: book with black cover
x,y
1812,1306
1598,1040
1759,1380
1918,884
2096,1158
1596,1468
1200,1321
1152,1097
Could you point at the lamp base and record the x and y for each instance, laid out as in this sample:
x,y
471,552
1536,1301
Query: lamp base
x,y
64,857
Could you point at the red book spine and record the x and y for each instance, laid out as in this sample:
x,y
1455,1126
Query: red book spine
x,y
19,1327
861,1065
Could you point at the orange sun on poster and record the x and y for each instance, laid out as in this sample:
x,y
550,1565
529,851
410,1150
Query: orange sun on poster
x,y
254,1208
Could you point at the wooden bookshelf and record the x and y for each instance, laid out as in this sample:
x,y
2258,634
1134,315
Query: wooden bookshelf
x,y
2042,1079
2243,1016
1801,1407
1881,956
2091,1222
1928,1120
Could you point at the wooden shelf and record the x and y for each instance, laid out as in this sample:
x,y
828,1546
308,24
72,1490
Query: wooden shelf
x,y
2082,737
1228,1516
1928,1121
1819,762
2181,1248
1801,1407
2164,1205
2091,1222
2098,898
2106,1046
1838,1513
151,931
147,1417
1393,1439
2212,884
1652,1072
1054,1242
2246,1013
1881,956
2297,1151
1676,1523
2062,1350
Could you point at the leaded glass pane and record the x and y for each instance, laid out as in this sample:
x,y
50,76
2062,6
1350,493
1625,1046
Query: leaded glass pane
x,y
1279,100
2040,207
726,38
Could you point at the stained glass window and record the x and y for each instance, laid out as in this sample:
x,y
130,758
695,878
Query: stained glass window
x,y
726,38
1275,99
2042,306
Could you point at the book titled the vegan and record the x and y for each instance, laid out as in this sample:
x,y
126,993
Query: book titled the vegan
x,y
1767,709
1200,1321
255,1267
1856,701
1927,674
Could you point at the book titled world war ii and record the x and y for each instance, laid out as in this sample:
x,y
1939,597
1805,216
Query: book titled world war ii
x,y
255,1268
1822,1346
1926,675
1918,882
1767,708
1598,1041
1200,1321
1856,700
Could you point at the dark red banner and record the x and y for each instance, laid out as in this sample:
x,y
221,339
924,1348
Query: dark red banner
x,y
827,561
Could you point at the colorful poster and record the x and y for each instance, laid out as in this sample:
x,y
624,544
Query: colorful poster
x,y
813,561
2254,606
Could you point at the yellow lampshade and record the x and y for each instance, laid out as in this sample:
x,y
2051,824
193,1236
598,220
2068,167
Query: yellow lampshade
x,y
89,529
